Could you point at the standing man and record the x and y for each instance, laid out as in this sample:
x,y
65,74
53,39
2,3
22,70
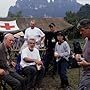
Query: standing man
x,y
32,65
84,27
35,32
9,75
50,41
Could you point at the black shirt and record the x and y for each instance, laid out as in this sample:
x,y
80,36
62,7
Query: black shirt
x,y
50,39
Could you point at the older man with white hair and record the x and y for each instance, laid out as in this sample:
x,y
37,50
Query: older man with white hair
x,y
12,78
32,66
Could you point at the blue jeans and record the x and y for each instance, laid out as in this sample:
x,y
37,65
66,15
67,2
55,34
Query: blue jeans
x,y
62,71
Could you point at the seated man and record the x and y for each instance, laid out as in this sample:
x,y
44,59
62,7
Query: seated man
x,y
32,66
9,75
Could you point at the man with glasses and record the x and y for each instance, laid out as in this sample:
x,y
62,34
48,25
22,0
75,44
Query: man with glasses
x,y
32,65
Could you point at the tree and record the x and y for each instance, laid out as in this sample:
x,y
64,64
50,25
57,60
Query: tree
x,y
11,15
84,12
71,17
18,14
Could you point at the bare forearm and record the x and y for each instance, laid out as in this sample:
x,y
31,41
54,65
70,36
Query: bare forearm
x,y
88,64
83,62
26,59
42,39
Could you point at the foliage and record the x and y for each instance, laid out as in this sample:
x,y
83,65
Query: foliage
x,y
74,18
71,17
18,14
84,12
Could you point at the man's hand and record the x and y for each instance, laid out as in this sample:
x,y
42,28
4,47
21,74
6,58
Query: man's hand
x,y
2,72
78,57
13,64
39,62
83,63
56,55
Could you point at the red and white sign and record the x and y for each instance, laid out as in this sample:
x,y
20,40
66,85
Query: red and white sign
x,y
8,26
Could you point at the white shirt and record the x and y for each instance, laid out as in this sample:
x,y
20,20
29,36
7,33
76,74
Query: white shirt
x,y
32,54
36,33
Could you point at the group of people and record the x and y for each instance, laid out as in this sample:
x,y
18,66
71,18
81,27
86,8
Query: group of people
x,y
33,68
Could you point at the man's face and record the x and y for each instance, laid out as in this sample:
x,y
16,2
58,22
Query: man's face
x,y
85,32
32,25
52,29
31,44
9,41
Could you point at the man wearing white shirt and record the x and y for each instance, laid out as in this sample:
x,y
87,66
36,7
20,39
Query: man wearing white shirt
x,y
35,32
31,63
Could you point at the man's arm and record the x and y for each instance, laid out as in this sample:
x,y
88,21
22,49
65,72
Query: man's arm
x,y
3,63
42,39
42,35
29,60
81,61
2,72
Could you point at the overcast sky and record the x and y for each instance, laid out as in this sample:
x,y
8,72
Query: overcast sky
x,y
5,5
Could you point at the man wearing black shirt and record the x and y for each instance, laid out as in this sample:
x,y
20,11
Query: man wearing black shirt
x,y
50,41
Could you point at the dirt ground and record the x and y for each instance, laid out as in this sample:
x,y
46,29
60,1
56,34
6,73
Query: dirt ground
x,y
53,82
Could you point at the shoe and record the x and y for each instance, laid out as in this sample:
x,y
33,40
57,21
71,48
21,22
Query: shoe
x,y
37,88
67,88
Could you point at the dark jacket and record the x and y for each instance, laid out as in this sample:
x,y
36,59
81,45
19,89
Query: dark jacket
x,y
49,37
3,57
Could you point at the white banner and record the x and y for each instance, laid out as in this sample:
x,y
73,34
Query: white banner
x,y
8,26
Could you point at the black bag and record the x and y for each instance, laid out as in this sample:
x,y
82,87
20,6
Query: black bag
x,y
73,63
77,47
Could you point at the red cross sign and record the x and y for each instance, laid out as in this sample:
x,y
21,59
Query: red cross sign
x,y
7,26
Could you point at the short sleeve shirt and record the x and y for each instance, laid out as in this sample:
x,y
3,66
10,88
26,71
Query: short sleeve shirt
x,y
36,33
32,54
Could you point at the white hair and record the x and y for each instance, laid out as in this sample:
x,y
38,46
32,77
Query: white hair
x,y
31,38
8,34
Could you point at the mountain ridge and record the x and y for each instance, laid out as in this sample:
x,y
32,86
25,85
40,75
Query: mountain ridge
x,y
43,8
